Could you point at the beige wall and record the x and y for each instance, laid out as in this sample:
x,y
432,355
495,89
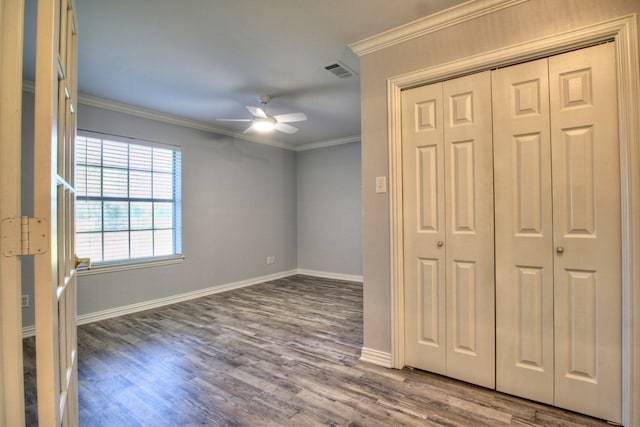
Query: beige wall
x,y
520,23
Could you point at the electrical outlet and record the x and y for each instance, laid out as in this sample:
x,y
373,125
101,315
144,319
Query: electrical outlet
x,y
25,300
271,259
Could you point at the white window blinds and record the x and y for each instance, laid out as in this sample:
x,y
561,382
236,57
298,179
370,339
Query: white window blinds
x,y
128,202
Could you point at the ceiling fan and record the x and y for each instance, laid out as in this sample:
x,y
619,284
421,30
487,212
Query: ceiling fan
x,y
263,122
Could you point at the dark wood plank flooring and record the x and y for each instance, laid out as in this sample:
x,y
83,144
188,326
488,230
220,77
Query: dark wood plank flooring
x,y
282,353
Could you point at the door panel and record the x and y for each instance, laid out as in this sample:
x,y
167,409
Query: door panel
x,y
469,229
577,145
529,297
428,299
528,192
462,187
428,203
581,315
424,222
586,201
463,324
523,234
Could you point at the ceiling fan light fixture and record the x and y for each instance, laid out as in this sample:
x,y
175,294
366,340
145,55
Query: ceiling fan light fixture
x,y
264,124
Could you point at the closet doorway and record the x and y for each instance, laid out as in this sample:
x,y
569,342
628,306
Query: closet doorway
x,y
546,132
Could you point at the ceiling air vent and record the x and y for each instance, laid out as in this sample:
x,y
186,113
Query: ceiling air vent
x,y
340,70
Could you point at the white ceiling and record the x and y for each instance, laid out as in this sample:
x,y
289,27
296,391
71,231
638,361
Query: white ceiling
x,y
207,59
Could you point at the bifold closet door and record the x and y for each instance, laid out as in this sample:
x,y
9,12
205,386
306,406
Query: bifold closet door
x,y
558,284
424,228
448,229
524,231
586,223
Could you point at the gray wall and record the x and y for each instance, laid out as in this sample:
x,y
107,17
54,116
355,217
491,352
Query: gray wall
x,y
517,24
238,204
330,210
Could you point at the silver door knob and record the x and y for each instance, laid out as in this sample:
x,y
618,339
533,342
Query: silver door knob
x,y
560,249
440,243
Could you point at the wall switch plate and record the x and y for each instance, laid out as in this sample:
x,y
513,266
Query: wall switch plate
x,y
271,259
381,184
25,300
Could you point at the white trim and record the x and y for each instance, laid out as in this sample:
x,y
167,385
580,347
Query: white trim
x,y
160,302
329,275
376,357
133,265
429,24
87,133
330,143
11,365
624,32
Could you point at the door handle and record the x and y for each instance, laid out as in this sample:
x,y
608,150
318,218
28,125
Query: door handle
x,y
86,261
560,250
440,243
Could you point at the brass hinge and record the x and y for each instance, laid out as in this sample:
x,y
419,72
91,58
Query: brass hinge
x,y
24,236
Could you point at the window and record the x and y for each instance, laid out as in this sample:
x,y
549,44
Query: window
x,y
128,204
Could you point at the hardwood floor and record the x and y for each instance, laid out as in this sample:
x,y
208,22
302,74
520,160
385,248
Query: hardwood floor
x,y
282,353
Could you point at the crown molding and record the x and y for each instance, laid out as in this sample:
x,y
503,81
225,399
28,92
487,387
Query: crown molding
x,y
144,113
455,15
107,104
329,143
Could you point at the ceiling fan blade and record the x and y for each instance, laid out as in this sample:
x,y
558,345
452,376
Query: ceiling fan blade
x,y
290,117
282,127
249,129
234,120
257,112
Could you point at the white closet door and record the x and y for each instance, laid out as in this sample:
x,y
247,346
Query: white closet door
x,y
448,221
469,229
586,218
524,232
424,225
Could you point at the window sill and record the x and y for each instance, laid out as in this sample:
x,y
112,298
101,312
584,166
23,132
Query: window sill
x,y
133,265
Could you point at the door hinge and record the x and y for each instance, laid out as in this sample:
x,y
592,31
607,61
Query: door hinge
x,y
24,236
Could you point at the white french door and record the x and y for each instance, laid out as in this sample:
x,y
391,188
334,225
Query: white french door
x,y
54,198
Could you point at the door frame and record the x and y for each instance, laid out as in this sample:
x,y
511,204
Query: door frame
x,y
623,32
11,366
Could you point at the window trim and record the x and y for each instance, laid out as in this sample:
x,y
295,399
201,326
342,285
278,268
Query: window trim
x,y
139,263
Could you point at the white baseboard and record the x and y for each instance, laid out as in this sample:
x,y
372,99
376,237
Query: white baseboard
x,y
146,305
29,331
376,357
329,275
